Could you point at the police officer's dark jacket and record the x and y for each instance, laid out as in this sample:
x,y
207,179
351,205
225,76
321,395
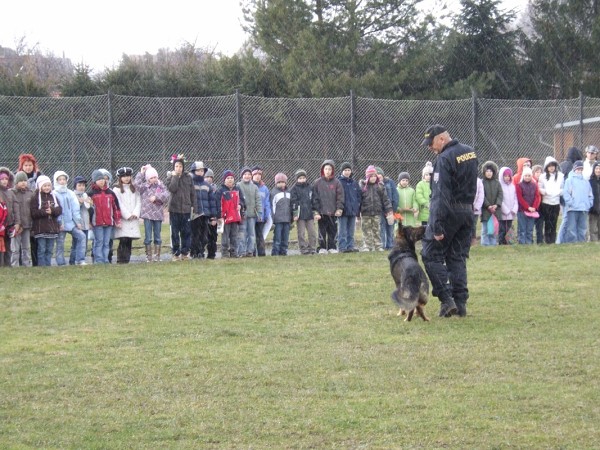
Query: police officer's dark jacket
x,y
453,184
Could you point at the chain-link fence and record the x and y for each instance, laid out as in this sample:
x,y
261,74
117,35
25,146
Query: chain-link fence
x,y
78,135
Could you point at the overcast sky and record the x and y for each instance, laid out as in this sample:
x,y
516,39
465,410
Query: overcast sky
x,y
98,33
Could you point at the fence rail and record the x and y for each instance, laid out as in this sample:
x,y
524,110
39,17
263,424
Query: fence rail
x,y
81,134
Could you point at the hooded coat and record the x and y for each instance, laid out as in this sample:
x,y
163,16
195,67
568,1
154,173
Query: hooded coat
x,y
328,193
551,185
492,192
7,195
510,203
520,162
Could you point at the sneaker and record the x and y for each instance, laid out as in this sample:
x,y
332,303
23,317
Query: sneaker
x,y
447,309
322,251
82,263
333,250
381,250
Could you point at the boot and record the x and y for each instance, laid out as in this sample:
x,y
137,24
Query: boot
x,y
157,253
149,253
448,308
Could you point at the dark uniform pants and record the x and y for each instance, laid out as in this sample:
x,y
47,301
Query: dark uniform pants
x,y
446,260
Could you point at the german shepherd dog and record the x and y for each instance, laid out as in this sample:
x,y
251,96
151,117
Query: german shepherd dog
x,y
412,285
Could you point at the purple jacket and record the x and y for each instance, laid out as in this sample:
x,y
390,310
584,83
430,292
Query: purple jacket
x,y
151,210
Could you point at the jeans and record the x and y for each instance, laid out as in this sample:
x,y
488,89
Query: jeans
x,y
247,237
73,256
102,237
525,227
281,237
181,233
346,228
78,243
152,227
562,231
45,246
487,239
386,233
576,226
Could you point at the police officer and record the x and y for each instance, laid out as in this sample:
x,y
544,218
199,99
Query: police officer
x,y
447,240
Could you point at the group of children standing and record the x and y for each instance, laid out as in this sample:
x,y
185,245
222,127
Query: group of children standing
x,y
535,195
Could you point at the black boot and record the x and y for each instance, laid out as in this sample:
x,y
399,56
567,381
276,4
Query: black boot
x,y
461,308
448,308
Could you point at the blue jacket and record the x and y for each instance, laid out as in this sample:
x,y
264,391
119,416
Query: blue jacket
x,y
263,190
392,192
352,196
206,204
71,214
577,193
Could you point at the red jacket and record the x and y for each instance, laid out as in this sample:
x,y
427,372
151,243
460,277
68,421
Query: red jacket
x,y
106,207
227,204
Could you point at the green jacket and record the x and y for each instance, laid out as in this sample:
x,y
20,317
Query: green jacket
x,y
422,195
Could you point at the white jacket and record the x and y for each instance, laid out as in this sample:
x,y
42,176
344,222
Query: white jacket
x,y
551,189
130,204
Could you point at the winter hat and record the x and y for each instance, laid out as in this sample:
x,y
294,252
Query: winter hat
x,y
403,176
428,169
124,172
79,179
280,177
591,149
227,173
244,170
42,180
578,165
106,173
508,171
151,172
197,165
97,175
60,173
300,173
371,170
526,171
257,169
20,176
379,171
23,158
209,173
345,165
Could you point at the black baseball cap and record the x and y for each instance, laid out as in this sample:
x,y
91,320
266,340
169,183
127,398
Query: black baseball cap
x,y
432,132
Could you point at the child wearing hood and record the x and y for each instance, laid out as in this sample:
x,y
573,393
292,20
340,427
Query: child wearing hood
x,y
510,205
594,219
70,222
521,164
183,196
529,202
12,221
45,210
328,204
579,199
550,185
492,202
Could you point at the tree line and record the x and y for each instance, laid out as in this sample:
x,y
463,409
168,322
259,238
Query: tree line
x,y
390,49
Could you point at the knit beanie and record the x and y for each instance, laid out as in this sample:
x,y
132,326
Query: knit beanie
x,y
508,172
257,169
150,172
371,170
244,170
20,176
300,173
428,169
106,173
227,173
209,174
98,175
403,176
528,171
345,165
578,165
43,179
379,171
280,177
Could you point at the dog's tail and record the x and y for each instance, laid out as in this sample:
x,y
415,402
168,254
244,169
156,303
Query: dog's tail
x,y
405,299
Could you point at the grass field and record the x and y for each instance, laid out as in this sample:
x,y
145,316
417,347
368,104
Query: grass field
x,y
300,352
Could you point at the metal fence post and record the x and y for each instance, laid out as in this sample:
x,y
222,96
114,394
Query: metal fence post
x,y
581,117
240,130
352,128
475,118
110,130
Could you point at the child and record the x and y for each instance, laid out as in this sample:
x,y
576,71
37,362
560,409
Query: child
x,y
352,199
386,230
539,222
374,203
579,199
594,219
423,193
28,164
328,205
3,231
254,211
407,202
510,205
182,200
529,202
20,243
262,222
205,210
282,215
211,245
301,199
230,208
153,195
477,205
80,185
492,201
45,210
13,214
70,222
107,215
551,186
130,204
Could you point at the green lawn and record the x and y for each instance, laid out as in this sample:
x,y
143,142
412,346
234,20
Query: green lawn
x,y
300,352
